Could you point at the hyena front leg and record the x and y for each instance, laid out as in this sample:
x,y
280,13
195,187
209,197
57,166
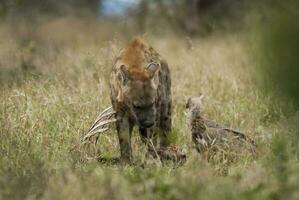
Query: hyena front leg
x,y
124,131
165,121
165,126
166,105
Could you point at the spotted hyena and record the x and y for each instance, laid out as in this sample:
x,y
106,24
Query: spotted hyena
x,y
140,91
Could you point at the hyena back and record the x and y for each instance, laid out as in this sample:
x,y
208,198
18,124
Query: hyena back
x,y
140,91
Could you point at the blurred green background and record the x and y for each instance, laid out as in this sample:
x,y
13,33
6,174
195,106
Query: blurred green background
x,y
55,59
275,34
272,23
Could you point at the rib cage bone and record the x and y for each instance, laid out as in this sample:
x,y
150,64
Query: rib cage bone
x,y
103,122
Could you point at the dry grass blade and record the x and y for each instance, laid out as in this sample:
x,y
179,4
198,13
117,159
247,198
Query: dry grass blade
x,y
242,135
155,151
213,124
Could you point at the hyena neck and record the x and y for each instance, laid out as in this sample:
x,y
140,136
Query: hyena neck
x,y
196,112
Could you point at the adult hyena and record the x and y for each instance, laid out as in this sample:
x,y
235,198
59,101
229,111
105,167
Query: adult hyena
x,y
140,92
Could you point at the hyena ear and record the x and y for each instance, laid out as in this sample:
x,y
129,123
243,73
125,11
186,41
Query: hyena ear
x,y
123,74
152,68
201,96
188,103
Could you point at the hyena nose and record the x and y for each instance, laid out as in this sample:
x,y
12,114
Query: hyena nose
x,y
146,123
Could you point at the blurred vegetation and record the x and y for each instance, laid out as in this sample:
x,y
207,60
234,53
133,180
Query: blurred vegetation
x,y
277,46
190,17
35,7
55,59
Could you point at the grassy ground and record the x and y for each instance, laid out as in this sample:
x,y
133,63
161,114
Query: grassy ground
x,y
53,80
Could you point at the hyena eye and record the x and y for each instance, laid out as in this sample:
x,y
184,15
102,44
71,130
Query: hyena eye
x,y
123,76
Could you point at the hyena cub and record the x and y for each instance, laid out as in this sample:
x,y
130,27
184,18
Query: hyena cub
x,y
209,136
140,92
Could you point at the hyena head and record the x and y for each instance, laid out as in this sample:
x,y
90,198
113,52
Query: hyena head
x,y
139,92
194,106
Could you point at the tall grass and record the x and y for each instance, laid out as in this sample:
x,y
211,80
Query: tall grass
x,y
45,109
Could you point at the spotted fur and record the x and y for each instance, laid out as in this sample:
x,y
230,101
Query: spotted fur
x,y
140,92
208,135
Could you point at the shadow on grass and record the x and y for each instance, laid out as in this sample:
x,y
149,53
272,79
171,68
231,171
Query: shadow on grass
x,y
109,161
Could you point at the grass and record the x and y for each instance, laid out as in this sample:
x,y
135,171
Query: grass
x,y
54,80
